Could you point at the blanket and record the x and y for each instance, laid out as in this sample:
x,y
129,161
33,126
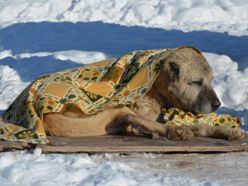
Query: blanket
x,y
91,88
178,117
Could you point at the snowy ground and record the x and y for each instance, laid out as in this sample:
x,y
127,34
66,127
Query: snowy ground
x,y
188,15
30,47
22,168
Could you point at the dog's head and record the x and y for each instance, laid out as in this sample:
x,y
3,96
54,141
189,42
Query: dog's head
x,y
188,76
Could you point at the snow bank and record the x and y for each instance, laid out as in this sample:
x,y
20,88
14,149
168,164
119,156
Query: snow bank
x,y
10,86
230,84
5,53
187,15
27,168
76,56
80,56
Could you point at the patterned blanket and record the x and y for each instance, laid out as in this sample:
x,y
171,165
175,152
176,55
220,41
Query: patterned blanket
x,y
176,116
92,89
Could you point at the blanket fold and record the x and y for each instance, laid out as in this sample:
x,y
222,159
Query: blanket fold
x,y
91,88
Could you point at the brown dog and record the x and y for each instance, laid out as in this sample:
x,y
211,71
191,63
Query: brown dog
x,y
184,82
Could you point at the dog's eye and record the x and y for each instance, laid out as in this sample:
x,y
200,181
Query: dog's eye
x,y
195,82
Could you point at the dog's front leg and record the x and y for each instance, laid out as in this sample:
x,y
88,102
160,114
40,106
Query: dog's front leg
x,y
158,130
146,126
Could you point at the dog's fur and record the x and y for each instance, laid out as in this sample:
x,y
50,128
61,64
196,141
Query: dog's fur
x,y
183,82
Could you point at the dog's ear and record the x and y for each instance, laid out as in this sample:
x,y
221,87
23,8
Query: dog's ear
x,y
174,71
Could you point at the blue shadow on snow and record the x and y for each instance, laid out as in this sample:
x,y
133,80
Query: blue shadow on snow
x,y
115,40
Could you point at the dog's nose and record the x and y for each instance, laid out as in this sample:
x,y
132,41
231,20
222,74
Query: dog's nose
x,y
215,104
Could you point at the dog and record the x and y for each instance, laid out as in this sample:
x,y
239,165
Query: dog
x,y
183,82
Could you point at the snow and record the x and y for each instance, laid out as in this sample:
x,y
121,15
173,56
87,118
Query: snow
x,y
187,15
5,53
70,37
32,168
76,56
10,81
229,84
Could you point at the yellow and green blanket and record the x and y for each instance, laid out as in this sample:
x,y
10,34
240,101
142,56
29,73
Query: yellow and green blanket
x,y
91,88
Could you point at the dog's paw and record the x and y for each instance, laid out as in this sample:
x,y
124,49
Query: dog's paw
x,y
156,136
196,130
179,132
235,134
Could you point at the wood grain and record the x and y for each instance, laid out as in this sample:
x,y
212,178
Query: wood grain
x,y
130,144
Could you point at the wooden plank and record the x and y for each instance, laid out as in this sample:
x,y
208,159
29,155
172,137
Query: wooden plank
x,y
127,144
11,145
131,144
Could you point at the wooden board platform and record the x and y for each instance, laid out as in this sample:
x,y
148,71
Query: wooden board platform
x,y
129,144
